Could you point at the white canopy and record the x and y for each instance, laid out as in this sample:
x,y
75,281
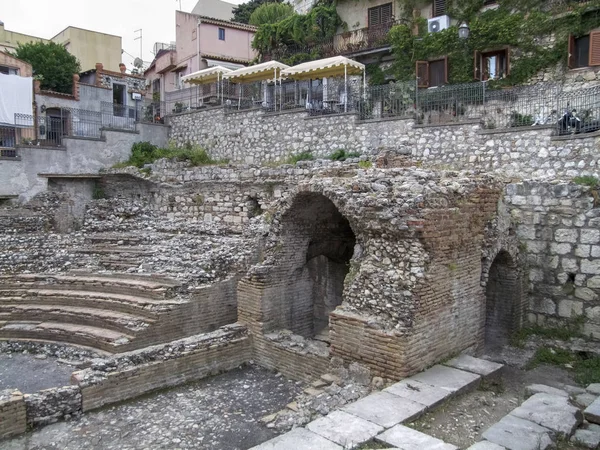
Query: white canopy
x,y
336,66
205,76
264,71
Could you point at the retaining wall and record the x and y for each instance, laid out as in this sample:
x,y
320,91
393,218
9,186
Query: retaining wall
x,y
12,413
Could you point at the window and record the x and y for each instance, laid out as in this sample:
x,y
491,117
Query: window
x,y
432,73
9,70
118,94
221,34
156,86
439,8
491,65
584,51
380,15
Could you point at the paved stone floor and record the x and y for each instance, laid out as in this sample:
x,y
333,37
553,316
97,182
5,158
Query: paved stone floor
x,y
30,373
222,412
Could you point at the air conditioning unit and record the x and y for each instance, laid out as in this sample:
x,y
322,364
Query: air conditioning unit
x,y
437,24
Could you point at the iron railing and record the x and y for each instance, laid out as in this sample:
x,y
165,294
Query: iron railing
x,y
391,100
193,98
119,117
578,111
153,112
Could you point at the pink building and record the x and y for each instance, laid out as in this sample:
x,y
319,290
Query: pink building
x,y
201,42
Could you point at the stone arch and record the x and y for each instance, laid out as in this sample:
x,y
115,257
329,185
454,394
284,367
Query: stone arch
x,y
319,243
504,300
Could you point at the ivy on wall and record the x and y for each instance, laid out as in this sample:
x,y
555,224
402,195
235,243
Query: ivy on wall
x,y
523,25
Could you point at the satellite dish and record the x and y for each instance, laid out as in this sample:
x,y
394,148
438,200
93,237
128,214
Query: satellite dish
x,y
138,62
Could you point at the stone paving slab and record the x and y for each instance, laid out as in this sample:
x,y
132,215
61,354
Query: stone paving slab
x,y
406,438
448,378
585,400
298,439
416,391
533,389
592,412
518,434
588,438
550,411
486,445
475,365
594,388
385,409
345,429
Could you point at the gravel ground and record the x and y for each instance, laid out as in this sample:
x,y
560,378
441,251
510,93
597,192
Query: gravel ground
x,y
222,412
31,373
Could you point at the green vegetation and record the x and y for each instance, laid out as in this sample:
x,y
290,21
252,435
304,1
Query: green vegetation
x,y
571,329
520,25
143,153
587,180
341,155
52,64
304,156
270,13
98,192
494,385
365,164
586,368
242,12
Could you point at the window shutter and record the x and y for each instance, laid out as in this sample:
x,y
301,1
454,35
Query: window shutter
x,y
477,66
439,7
374,17
571,56
445,70
595,48
422,74
507,61
386,13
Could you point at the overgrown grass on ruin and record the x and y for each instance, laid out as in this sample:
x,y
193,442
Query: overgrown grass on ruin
x,y
365,164
342,155
143,153
569,330
586,369
587,180
304,156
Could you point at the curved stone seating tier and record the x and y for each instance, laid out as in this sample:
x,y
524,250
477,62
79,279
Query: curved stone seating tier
x,y
106,312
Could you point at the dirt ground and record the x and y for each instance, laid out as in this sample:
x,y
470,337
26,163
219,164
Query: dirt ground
x,y
31,373
463,420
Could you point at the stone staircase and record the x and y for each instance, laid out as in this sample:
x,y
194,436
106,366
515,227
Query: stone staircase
x,y
105,312
116,251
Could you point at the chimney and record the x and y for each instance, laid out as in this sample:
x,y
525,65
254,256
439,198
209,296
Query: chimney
x,y
76,86
99,69
37,86
122,67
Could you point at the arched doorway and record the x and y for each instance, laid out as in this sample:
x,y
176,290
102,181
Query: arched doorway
x,y
319,243
504,306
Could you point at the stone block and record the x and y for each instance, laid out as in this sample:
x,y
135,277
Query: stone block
x,y
553,412
345,429
486,445
298,438
584,400
586,294
590,236
592,412
560,249
385,409
448,378
593,282
590,266
405,438
422,393
475,365
569,308
544,306
593,388
567,235
518,434
588,437
533,389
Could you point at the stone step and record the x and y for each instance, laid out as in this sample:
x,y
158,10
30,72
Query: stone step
x,y
111,320
114,250
149,287
129,304
116,239
98,338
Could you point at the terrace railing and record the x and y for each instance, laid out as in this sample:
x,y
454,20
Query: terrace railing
x,y
119,117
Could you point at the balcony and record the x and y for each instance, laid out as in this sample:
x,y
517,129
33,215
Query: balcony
x,y
349,43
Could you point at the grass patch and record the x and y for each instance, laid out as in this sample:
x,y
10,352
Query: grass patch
x,y
143,153
587,181
365,164
341,155
494,385
571,329
372,445
586,368
304,156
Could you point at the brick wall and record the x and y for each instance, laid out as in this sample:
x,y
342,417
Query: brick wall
x,y
12,414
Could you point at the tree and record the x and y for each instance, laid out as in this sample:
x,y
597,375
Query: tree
x,y
52,63
243,11
270,13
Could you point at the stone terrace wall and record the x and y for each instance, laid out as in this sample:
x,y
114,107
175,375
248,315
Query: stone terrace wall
x,y
12,414
254,137
558,226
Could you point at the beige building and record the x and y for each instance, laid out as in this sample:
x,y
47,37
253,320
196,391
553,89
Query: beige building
x,y
217,9
88,46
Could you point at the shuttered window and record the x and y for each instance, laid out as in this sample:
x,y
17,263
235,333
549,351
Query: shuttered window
x,y
594,48
584,51
432,73
439,8
380,15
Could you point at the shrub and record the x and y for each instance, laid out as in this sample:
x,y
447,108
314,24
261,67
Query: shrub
x,y
365,164
341,155
304,156
587,181
143,153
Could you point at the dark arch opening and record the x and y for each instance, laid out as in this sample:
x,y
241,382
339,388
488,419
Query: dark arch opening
x,y
503,302
324,243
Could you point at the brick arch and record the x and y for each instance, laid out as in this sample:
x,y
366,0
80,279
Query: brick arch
x,y
504,294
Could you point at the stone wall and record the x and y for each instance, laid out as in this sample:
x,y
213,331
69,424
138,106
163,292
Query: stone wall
x,y
12,414
558,227
132,374
255,137
51,405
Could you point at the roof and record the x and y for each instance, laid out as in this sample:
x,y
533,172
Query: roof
x,y
225,58
205,76
259,72
226,23
85,29
321,68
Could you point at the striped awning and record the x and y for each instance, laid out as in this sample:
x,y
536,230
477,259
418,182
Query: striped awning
x,y
205,76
